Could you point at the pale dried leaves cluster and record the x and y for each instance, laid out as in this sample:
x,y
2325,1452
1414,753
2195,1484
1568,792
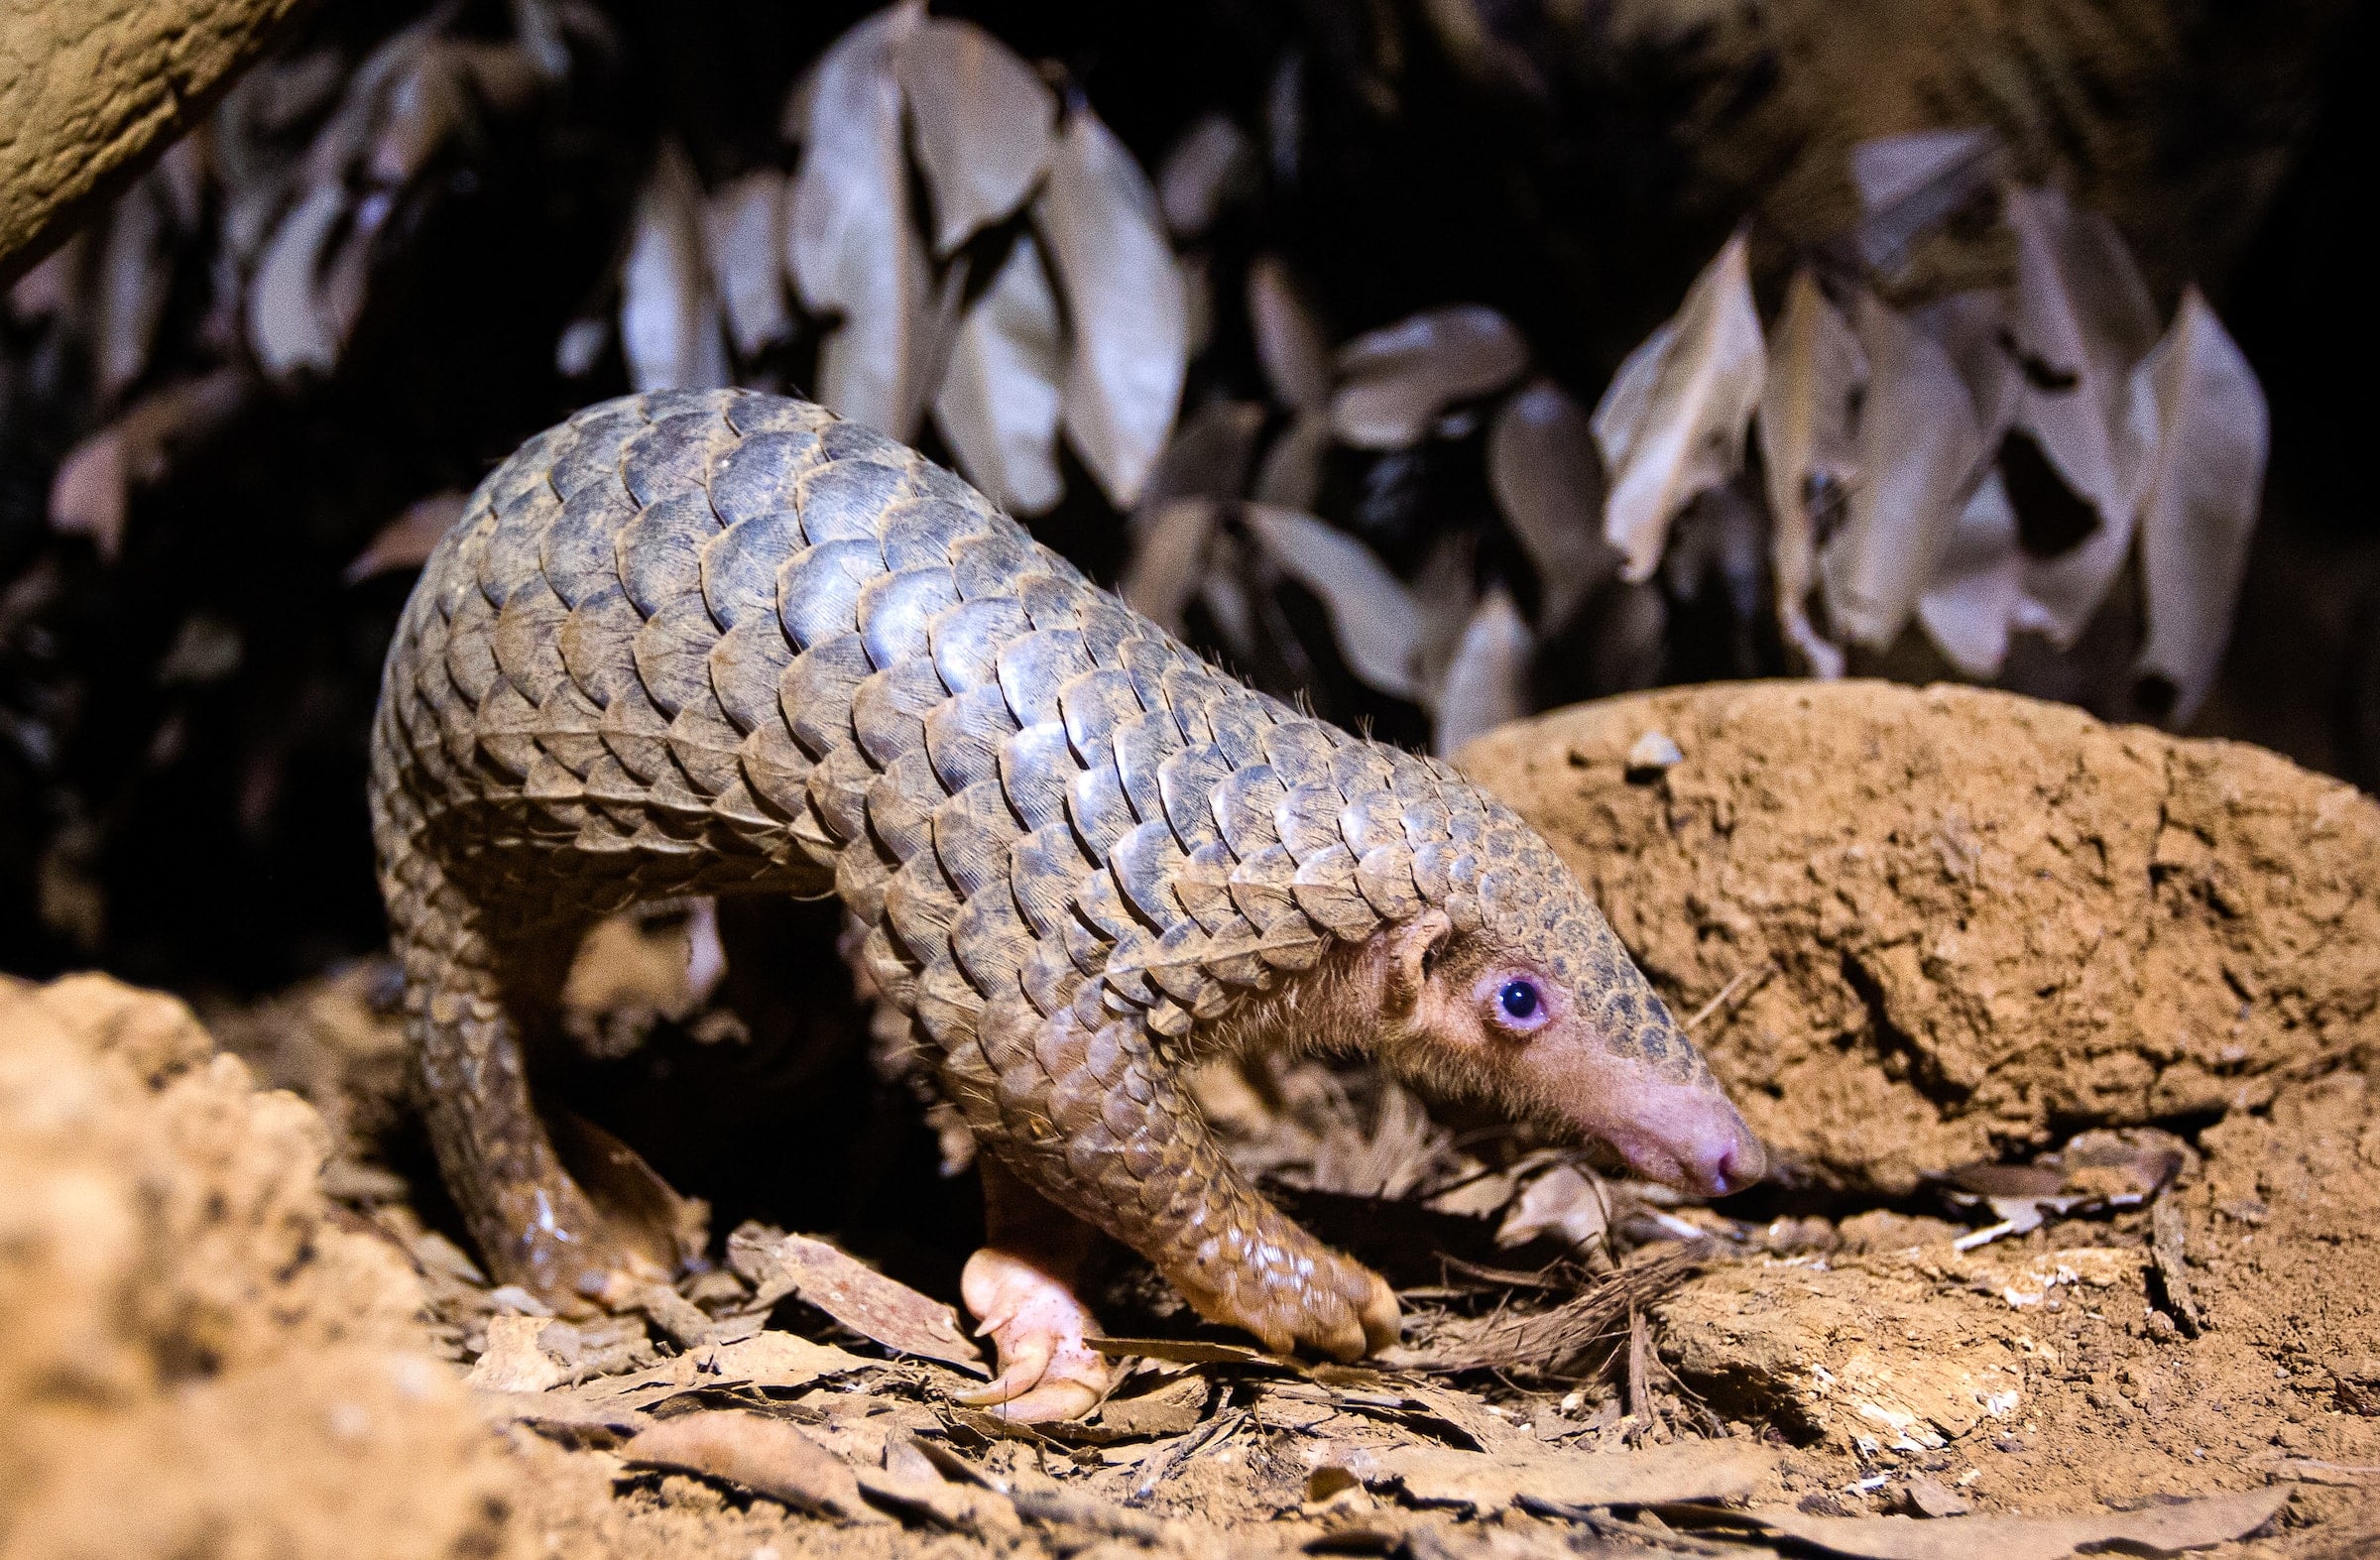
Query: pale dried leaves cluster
x,y
1881,434
1044,301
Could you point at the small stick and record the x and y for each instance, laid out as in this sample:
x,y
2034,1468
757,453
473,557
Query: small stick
x,y
1763,968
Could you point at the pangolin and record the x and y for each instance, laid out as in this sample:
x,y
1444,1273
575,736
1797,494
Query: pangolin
x,y
718,641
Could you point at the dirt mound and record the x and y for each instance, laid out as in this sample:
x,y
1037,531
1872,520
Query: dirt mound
x,y
185,1319
1940,925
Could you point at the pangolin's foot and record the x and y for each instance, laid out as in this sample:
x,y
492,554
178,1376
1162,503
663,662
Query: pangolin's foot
x,y
1290,1290
1031,1315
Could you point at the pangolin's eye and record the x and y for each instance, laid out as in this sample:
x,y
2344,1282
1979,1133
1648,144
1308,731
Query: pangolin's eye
x,y
1519,1001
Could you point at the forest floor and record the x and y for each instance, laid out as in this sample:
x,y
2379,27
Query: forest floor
x,y
239,1324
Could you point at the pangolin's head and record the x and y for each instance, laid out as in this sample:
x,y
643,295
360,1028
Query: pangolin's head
x,y
1516,988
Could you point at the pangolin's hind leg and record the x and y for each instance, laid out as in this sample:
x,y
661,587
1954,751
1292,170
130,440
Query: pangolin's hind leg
x,y
1022,1288
466,994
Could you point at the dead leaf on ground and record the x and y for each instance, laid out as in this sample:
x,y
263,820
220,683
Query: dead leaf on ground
x,y
406,541
766,1456
745,231
669,324
999,404
853,252
1672,423
516,1359
853,1294
1683,1470
1373,617
1290,339
2202,411
1124,296
983,124
2151,1530
1488,681
1394,381
1920,454
1566,1202
769,1358
1549,484
1213,162
1816,369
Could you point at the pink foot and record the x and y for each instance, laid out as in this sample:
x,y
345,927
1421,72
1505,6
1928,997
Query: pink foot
x,y
1046,1371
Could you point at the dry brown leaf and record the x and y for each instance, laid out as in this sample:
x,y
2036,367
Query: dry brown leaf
x,y
1920,454
1124,297
1374,616
407,541
1683,1470
743,228
669,327
767,1358
2151,1530
853,1294
2081,322
1170,560
853,252
514,1359
982,122
2202,415
1542,464
91,493
998,403
288,328
1292,472
1814,370
1488,681
1977,590
1908,183
1672,425
1564,1202
1213,162
1207,457
134,274
766,1456
1289,341
1394,381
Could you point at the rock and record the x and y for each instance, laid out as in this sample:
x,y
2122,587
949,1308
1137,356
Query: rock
x,y
91,90
1958,923
187,1318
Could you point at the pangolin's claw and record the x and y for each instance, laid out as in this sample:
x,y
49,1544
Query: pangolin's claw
x,y
1046,1371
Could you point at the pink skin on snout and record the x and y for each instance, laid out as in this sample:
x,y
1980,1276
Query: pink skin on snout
x,y
1504,1026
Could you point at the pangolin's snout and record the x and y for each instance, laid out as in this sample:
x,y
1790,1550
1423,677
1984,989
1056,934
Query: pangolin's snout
x,y
1691,1138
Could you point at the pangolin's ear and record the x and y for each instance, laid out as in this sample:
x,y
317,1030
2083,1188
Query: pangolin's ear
x,y
1414,947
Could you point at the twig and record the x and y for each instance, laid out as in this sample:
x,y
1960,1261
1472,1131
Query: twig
x,y
1764,968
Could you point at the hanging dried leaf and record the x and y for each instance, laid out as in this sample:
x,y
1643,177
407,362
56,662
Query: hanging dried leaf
x,y
1672,425
743,228
1446,593
406,541
1291,473
1394,381
1212,164
999,402
288,330
2083,320
425,103
1170,560
1488,682
669,316
1374,616
1541,462
1908,183
91,493
1806,449
853,250
1920,456
1124,368
1976,593
2203,417
983,121
134,274
1289,340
